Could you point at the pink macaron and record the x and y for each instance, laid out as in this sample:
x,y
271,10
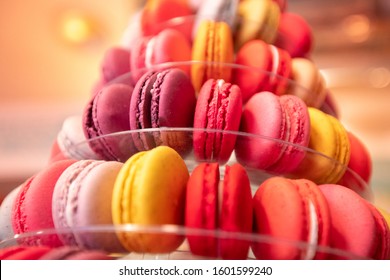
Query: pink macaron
x,y
218,109
32,210
280,128
357,227
82,199
115,62
108,113
169,45
161,99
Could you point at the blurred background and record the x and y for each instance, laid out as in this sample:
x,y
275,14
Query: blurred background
x,y
51,51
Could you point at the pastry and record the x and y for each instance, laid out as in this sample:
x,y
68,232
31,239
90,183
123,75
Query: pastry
x,y
218,107
150,191
258,20
108,113
290,212
6,230
160,99
357,227
214,204
82,198
211,51
167,46
266,68
331,149
32,209
283,128
294,35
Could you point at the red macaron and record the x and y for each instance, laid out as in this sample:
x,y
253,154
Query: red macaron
x,y
214,204
218,109
32,210
266,68
295,215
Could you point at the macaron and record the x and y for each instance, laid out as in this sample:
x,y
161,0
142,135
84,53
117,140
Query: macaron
x,y
309,84
32,209
212,49
265,68
359,172
258,20
294,35
115,62
23,252
169,45
280,129
82,199
71,141
357,227
6,230
295,215
108,113
217,10
215,204
161,99
218,109
328,160
157,14
150,191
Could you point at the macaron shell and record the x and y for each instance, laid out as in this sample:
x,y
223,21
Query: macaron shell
x,y
298,134
213,45
218,108
309,85
294,35
150,190
360,164
282,210
260,20
94,207
107,113
28,215
255,54
116,62
236,212
163,99
63,204
201,210
262,115
6,206
353,227
383,248
329,138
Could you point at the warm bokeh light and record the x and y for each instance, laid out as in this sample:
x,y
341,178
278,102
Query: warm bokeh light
x,y
357,27
77,27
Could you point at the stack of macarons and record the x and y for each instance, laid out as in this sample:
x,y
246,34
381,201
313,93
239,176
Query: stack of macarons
x,y
275,133
154,204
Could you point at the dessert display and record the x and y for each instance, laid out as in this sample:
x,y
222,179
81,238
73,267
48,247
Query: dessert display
x,y
210,134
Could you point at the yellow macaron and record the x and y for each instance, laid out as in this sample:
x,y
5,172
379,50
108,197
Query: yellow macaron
x,y
258,20
331,149
150,191
213,46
